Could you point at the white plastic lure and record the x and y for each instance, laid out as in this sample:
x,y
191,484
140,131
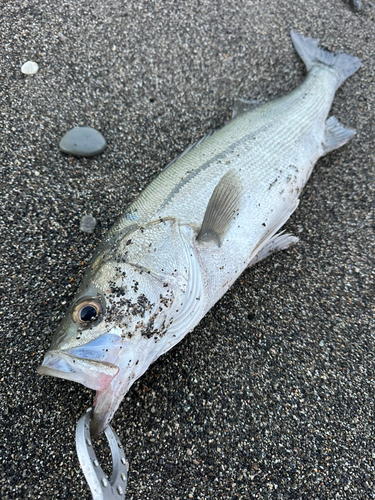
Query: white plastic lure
x,y
214,211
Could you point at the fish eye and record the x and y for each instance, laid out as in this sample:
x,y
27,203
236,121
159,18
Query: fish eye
x,y
87,311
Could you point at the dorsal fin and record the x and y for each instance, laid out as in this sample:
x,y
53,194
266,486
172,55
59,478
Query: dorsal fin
x,y
188,149
241,106
222,208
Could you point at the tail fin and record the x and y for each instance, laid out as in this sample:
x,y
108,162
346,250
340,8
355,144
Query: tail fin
x,y
310,53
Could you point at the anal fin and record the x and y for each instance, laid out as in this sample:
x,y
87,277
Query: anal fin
x,y
336,135
222,208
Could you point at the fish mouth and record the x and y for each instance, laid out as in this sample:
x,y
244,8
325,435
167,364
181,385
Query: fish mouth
x,y
93,364
93,374
98,365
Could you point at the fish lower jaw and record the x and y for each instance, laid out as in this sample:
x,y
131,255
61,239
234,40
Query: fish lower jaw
x,y
95,375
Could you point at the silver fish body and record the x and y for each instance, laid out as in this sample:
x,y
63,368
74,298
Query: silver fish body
x,y
209,215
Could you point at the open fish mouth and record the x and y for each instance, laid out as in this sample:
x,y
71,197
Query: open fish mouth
x,y
92,364
95,375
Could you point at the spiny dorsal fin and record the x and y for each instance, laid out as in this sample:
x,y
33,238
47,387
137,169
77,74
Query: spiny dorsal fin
x,y
222,208
188,149
241,106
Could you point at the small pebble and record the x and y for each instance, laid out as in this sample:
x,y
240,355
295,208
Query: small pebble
x,y
356,5
83,141
29,68
88,224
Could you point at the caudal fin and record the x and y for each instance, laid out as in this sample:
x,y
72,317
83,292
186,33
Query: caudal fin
x,y
309,51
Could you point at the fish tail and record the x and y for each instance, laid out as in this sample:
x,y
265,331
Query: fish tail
x,y
309,51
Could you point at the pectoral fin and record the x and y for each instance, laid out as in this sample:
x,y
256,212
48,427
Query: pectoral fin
x,y
222,209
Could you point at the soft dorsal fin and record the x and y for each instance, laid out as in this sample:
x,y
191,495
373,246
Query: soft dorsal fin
x,y
222,208
241,106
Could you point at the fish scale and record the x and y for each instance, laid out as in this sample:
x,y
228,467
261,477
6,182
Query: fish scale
x,y
265,152
210,214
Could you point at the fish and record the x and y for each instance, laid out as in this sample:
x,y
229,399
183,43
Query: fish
x,y
214,211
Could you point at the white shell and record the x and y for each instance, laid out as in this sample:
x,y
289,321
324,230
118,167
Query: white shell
x,y
29,68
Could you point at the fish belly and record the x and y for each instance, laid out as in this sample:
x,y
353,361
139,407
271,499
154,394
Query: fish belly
x,y
274,162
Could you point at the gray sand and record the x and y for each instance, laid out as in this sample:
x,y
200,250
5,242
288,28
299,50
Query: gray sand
x,y
272,396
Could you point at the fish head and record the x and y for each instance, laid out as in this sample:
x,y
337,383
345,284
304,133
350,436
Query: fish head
x,y
82,348
111,331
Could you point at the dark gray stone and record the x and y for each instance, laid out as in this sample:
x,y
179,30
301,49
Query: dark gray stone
x,y
356,5
83,141
88,224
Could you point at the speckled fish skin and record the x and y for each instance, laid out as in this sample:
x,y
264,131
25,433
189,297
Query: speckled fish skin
x,y
209,215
